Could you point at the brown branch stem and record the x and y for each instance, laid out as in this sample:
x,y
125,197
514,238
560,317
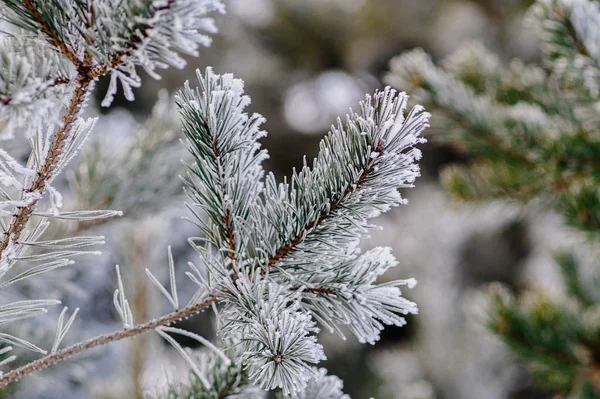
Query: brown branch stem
x,y
86,75
285,249
101,340
85,67
45,173
229,230
316,290
30,6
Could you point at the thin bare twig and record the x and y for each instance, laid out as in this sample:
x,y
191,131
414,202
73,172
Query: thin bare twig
x,y
101,340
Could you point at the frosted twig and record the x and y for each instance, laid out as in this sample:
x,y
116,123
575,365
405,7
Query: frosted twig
x,y
101,340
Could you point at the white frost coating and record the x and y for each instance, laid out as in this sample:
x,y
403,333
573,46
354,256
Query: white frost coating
x,y
127,84
57,253
304,265
323,386
361,304
24,309
200,339
15,165
9,180
9,359
66,243
38,269
21,310
56,199
82,215
12,173
12,340
6,261
28,199
226,176
186,356
81,130
63,328
172,296
29,69
276,337
450,92
279,350
365,159
121,303
167,29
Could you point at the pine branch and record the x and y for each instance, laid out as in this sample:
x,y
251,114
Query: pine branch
x,y
101,340
556,23
534,137
285,249
481,120
229,232
226,379
31,7
362,163
84,67
175,32
141,34
6,100
227,220
45,173
84,80
225,179
115,37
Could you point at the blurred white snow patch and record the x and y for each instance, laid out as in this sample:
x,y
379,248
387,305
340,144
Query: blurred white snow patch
x,y
402,374
118,124
254,12
550,235
347,5
312,105
458,23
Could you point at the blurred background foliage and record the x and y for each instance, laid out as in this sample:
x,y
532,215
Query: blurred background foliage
x,y
305,63
529,134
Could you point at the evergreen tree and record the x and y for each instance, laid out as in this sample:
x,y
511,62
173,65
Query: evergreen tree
x,y
530,132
